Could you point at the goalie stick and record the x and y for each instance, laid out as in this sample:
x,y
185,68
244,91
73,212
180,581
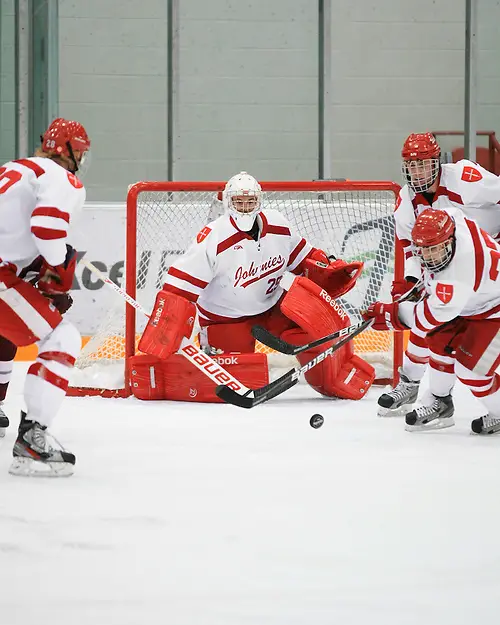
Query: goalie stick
x,y
279,345
189,350
286,381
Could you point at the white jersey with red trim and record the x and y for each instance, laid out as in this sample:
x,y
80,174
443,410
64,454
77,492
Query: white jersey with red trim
x,y
230,275
468,287
38,198
464,186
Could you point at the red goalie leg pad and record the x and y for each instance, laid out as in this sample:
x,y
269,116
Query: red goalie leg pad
x,y
172,319
344,374
177,379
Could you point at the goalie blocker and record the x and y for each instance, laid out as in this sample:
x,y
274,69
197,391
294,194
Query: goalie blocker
x,y
306,312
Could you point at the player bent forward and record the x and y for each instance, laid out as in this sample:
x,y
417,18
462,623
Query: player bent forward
x,y
464,186
233,272
460,313
38,197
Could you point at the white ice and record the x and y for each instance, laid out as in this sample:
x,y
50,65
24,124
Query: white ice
x,y
185,514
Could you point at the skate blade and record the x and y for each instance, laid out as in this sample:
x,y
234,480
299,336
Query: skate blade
x,y
27,467
435,424
487,432
395,412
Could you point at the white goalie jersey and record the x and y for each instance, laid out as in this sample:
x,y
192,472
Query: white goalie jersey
x,y
230,275
463,186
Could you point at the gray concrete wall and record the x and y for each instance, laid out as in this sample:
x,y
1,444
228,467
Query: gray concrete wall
x,y
7,82
248,88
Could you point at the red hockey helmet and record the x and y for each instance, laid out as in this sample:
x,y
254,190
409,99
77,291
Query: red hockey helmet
x,y
66,138
433,236
420,167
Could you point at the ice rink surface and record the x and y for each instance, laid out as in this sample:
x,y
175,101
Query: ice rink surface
x,y
185,514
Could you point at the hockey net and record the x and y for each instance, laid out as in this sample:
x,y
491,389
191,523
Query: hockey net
x,y
351,220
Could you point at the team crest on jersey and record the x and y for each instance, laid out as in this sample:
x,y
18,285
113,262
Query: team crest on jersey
x,y
203,234
74,181
471,174
444,292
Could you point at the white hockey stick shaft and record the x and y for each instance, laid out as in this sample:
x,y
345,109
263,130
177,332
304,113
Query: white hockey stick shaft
x,y
189,350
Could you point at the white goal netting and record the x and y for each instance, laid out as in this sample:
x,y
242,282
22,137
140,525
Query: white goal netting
x,y
352,221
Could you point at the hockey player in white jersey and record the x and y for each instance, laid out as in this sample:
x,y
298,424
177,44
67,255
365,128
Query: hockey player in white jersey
x,y
460,312
463,186
233,272
38,198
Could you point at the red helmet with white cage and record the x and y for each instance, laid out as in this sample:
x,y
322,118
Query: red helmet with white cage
x,y
420,166
433,237
68,139
242,199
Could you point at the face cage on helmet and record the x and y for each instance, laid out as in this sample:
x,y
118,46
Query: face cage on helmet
x,y
420,175
439,256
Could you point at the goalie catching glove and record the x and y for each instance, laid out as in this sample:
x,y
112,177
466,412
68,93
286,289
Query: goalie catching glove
x,y
335,276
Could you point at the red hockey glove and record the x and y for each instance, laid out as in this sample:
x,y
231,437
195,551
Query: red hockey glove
x,y
335,276
385,315
401,287
58,279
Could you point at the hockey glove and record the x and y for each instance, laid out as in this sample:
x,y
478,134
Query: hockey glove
x,y
385,315
61,301
401,287
58,279
334,275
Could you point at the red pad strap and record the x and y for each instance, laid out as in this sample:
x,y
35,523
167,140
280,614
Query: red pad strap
x,y
172,319
178,380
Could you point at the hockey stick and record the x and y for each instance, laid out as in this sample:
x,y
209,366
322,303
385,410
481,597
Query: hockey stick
x,y
286,381
189,350
279,345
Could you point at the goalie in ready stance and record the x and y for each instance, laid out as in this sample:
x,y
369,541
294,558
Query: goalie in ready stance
x,y
233,276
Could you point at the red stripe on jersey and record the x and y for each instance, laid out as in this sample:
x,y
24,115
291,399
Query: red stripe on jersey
x,y
478,252
468,382
182,275
488,241
62,357
298,248
484,393
429,317
31,165
441,366
408,255
47,234
417,340
186,294
454,197
50,211
418,323
485,315
232,240
46,374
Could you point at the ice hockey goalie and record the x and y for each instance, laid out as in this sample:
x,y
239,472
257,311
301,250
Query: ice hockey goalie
x,y
231,278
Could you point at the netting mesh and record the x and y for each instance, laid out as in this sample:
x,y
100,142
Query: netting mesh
x,y
350,224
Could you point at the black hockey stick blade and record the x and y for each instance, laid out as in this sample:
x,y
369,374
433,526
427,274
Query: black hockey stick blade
x,y
279,345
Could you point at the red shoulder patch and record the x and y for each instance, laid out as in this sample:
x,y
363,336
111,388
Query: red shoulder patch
x,y
74,181
444,292
203,234
471,174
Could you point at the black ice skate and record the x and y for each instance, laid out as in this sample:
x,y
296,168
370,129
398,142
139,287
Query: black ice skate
x,y
437,416
4,422
485,425
36,453
395,403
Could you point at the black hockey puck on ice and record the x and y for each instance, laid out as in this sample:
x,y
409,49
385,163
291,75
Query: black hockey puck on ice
x,y
316,421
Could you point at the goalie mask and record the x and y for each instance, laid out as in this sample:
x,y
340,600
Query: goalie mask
x,y
433,237
420,166
242,199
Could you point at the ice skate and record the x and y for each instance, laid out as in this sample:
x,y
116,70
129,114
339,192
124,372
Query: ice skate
x,y
485,425
437,416
37,454
396,402
4,422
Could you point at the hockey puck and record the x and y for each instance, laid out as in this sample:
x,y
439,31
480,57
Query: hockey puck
x,y
316,421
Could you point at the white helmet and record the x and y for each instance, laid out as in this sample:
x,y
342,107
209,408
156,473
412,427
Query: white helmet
x,y
241,198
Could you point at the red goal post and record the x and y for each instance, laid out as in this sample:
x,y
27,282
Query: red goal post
x,y
351,220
